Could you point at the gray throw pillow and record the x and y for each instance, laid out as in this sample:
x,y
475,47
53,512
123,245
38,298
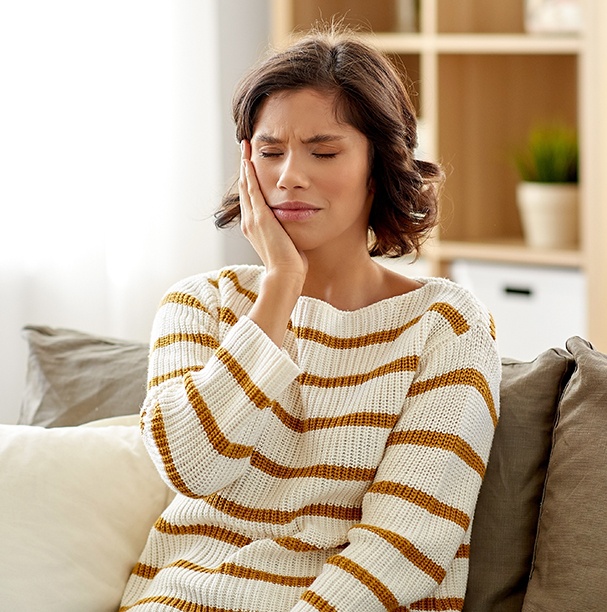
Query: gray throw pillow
x,y
570,563
505,523
74,377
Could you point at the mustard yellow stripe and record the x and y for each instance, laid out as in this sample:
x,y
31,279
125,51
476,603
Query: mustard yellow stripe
x,y
179,604
241,571
341,343
463,552
465,376
145,571
253,392
209,531
201,339
236,282
185,300
456,320
492,329
227,315
353,419
433,604
328,471
316,601
282,517
296,545
408,550
157,380
287,419
162,443
216,437
423,500
445,441
403,364
231,275
378,588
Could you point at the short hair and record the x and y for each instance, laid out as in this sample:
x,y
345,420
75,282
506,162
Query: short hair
x,y
371,96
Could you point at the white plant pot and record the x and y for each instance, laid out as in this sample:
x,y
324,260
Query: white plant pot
x,y
549,213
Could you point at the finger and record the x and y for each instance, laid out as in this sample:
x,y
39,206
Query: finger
x,y
245,149
243,186
256,198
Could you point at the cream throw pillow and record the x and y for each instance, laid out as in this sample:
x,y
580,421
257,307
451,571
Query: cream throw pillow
x,y
76,506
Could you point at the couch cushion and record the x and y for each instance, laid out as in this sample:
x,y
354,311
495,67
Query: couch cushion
x,y
76,507
74,377
505,522
570,563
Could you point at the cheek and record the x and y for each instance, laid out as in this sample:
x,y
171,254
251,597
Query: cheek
x,y
356,183
265,178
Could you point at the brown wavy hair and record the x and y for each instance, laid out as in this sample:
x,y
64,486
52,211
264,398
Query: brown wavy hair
x,y
371,97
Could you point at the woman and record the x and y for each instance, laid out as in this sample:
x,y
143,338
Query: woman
x,y
325,422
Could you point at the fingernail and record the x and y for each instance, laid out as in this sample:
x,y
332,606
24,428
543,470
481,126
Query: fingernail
x,y
242,146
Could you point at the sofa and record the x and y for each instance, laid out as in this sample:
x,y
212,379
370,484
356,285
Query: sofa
x,y
79,493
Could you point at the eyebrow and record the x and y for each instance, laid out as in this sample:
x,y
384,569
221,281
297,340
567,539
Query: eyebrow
x,y
316,139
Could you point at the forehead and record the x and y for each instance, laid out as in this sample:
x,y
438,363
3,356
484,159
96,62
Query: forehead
x,y
304,108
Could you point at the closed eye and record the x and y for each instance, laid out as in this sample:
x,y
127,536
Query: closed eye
x,y
269,154
324,155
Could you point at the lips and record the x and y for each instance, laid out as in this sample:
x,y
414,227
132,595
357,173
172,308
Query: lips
x,y
294,211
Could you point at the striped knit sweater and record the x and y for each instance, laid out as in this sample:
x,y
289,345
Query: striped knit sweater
x,y
338,473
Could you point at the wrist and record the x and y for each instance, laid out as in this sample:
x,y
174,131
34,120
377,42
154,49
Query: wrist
x,y
277,297
286,282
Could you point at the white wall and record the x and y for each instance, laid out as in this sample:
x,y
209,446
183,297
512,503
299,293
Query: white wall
x,y
243,37
114,155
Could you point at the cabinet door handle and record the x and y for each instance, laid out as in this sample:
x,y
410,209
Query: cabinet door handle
x,y
518,291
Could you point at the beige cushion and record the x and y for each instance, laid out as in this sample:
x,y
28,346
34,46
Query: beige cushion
x,y
570,565
506,516
74,377
76,507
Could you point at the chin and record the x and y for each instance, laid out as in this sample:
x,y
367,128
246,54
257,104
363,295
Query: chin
x,y
304,240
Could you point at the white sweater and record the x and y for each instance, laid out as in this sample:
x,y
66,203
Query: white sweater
x,y
339,473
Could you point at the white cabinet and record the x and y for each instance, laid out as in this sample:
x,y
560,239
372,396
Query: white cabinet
x,y
534,307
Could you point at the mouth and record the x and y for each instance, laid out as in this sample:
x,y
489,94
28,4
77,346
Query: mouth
x,y
294,211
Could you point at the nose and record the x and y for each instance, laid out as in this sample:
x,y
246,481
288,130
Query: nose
x,y
292,174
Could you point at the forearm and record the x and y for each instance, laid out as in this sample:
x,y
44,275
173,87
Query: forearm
x,y
277,297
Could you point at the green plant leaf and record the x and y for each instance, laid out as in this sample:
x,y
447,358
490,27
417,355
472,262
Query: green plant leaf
x,y
550,156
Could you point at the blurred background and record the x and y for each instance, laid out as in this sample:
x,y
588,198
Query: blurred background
x,y
116,145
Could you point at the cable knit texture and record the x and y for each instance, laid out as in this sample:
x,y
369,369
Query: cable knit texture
x,y
339,473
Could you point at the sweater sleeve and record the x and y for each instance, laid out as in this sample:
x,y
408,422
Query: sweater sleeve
x,y
212,379
417,513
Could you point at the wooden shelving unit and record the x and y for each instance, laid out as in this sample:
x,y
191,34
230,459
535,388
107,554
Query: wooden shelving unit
x,y
481,82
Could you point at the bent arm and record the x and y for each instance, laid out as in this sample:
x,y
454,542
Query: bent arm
x,y
211,384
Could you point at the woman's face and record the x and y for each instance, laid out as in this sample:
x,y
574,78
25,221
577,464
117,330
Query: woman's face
x,y
313,170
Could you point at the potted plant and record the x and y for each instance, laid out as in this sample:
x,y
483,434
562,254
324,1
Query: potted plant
x,y
547,195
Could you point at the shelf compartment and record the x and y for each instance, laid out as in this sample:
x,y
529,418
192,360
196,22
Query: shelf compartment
x,y
385,16
480,16
488,105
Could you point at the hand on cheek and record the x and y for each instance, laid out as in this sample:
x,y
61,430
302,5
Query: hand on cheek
x,y
260,226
